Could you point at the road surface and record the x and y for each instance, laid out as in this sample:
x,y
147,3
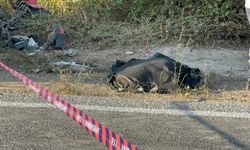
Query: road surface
x,y
27,122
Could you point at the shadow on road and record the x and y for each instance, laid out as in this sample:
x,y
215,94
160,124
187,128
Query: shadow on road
x,y
227,136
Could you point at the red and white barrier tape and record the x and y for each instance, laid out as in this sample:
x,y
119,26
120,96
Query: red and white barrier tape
x,y
100,132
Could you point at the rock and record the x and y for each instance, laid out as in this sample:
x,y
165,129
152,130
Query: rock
x,y
57,66
129,53
70,52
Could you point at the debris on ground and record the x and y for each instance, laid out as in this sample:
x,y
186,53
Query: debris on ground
x,y
57,46
23,42
57,39
36,71
32,6
58,66
129,53
22,9
159,74
70,52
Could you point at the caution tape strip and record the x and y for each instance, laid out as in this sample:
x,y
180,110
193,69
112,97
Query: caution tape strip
x,y
102,134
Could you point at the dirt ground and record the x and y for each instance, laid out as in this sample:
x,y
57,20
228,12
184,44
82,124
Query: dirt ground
x,y
225,71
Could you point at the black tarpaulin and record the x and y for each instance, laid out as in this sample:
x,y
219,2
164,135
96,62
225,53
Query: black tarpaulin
x,y
159,73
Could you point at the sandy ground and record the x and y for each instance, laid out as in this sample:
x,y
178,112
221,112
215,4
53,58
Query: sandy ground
x,y
217,60
226,69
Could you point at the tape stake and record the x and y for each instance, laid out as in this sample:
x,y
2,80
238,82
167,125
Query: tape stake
x,y
100,132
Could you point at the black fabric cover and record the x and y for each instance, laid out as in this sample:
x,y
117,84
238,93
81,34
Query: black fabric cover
x,y
159,73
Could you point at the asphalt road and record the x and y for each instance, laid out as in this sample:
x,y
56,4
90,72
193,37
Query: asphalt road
x,y
27,122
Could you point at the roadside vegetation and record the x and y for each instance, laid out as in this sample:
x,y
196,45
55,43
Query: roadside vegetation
x,y
112,22
103,24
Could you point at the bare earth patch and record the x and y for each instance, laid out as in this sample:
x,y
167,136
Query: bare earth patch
x,y
226,71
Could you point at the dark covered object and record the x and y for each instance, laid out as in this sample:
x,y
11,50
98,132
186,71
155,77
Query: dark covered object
x,y
159,73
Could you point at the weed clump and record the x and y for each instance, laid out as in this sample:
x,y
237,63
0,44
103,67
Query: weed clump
x,y
112,22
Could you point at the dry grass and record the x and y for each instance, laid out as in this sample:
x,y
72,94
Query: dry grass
x,y
103,90
239,96
117,21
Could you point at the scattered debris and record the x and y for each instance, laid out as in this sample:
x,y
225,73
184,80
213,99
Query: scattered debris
x,y
32,5
57,66
23,8
129,53
32,45
36,71
18,42
31,54
147,54
57,39
23,43
70,52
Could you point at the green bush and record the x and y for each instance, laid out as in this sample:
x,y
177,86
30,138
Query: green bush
x,y
196,21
